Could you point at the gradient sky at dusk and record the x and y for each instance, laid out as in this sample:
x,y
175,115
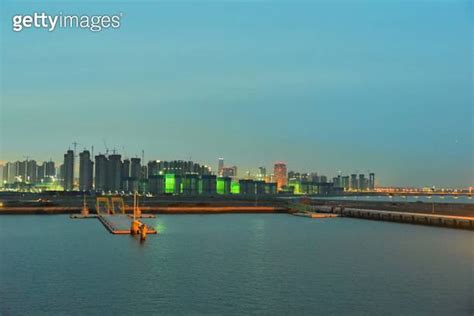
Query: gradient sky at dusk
x,y
324,86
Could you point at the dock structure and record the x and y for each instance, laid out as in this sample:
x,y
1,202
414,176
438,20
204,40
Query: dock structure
x,y
315,215
451,221
113,216
119,224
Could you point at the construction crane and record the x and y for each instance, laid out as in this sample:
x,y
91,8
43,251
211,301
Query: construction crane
x,y
75,146
106,148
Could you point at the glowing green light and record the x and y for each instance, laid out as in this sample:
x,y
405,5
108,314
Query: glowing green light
x,y
235,188
220,186
296,185
169,183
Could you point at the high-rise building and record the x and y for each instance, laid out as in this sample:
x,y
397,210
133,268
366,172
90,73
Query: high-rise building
x,y
230,172
31,171
338,181
191,184
247,187
259,187
9,173
354,183
157,184
135,168
61,174
371,181
208,184
85,171
50,170
125,169
270,188
279,171
178,167
41,172
114,173
69,170
20,170
223,185
220,166
262,173
313,177
362,182
345,182
101,162
126,181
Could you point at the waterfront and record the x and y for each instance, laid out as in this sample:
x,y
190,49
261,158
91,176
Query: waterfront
x,y
234,263
458,199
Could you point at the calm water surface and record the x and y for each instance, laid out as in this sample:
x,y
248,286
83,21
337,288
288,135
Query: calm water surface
x,y
234,264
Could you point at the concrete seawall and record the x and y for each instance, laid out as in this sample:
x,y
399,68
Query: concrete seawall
x,y
451,221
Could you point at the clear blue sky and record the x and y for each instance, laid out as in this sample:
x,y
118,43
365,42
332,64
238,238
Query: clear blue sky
x,y
324,86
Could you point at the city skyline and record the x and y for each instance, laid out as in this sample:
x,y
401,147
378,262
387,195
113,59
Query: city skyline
x,y
253,172
389,90
109,173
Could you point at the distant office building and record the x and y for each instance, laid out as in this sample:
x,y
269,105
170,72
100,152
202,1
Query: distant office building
x,y
371,181
156,184
345,182
49,170
208,184
61,174
126,181
279,171
114,173
362,182
262,173
337,181
69,170
4,178
270,188
323,179
101,162
259,187
178,167
125,169
154,168
230,172
177,184
220,166
247,187
224,185
31,171
21,168
135,168
86,168
354,184
191,184
41,172
291,174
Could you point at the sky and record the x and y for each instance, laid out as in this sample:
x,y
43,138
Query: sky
x,y
326,86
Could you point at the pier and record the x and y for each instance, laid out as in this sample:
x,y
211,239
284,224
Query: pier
x,y
119,224
451,221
